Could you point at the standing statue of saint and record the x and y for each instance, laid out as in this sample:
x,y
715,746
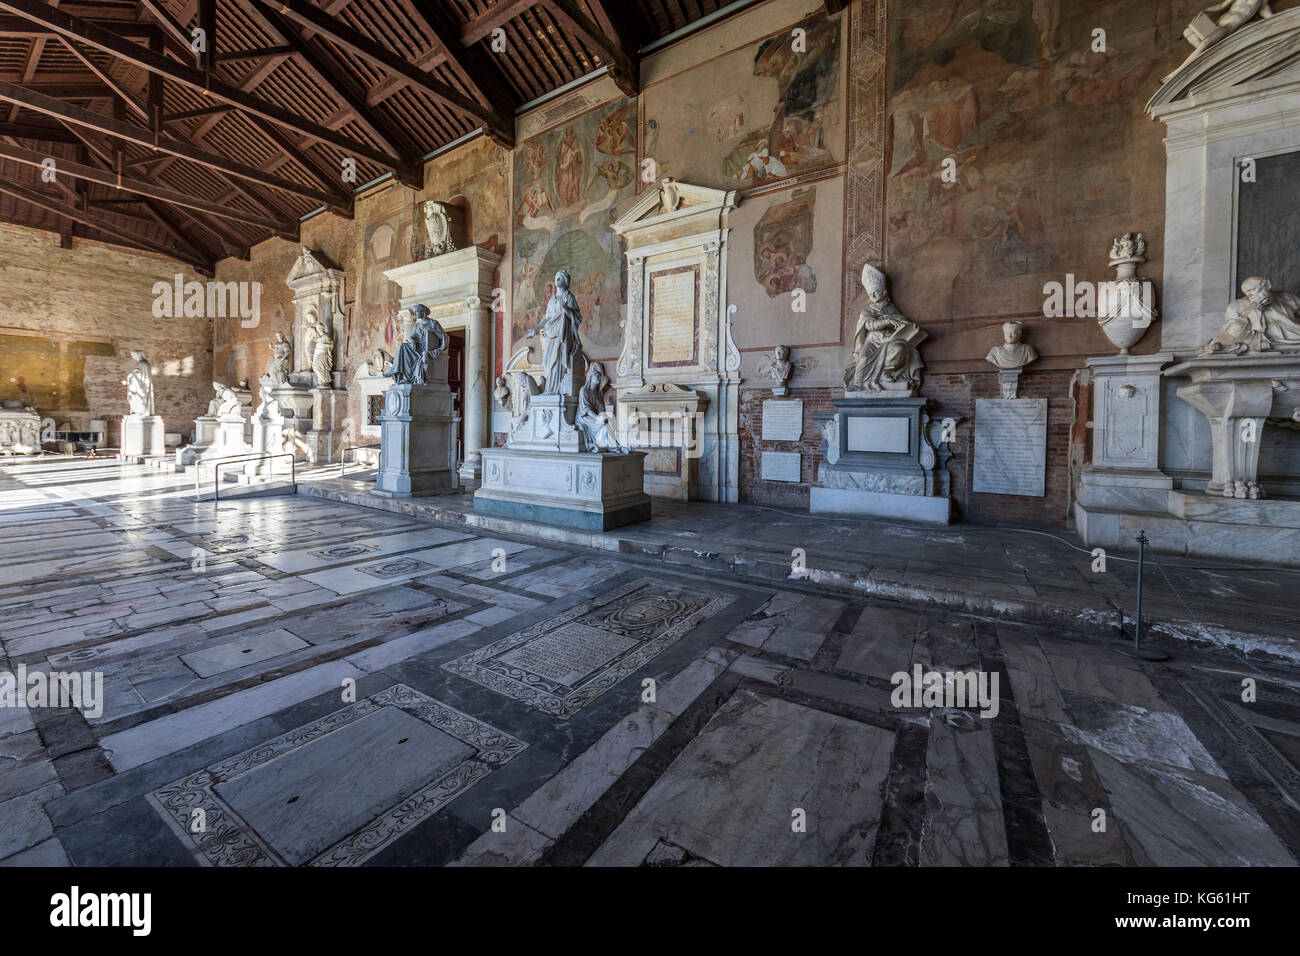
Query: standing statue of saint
x,y
561,345
139,386
320,345
427,339
277,370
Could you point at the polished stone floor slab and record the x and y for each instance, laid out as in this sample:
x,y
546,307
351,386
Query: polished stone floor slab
x,y
340,685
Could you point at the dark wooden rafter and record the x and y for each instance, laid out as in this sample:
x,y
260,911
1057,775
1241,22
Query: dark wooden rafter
x,y
471,63
145,189
121,130
499,128
624,64
103,39
101,224
328,74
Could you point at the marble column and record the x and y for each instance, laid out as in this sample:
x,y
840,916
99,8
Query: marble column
x,y
478,403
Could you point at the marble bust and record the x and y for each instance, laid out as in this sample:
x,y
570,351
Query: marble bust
x,y
139,385
1262,321
779,369
426,340
1014,353
885,357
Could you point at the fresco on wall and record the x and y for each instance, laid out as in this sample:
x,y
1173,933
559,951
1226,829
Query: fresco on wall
x,y
758,115
783,241
568,182
385,245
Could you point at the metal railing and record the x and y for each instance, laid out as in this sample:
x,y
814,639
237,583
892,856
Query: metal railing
x,y
343,459
217,466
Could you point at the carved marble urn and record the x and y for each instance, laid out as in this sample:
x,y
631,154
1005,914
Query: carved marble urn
x,y
1126,307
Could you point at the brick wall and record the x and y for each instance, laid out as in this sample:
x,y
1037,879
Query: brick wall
x,y
87,307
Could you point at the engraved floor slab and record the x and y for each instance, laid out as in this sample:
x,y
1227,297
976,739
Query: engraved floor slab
x,y
563,663
338,790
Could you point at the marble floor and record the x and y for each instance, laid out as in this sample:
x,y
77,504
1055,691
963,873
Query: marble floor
x,y
290,680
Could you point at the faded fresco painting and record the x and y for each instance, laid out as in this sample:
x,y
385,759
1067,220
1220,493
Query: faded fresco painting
x,y
386,244
568,182
783,241
760,114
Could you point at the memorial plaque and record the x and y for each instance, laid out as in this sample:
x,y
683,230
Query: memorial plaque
x,y
569,653
1268,244
878,434
782,466
1011,446
782,419
674,316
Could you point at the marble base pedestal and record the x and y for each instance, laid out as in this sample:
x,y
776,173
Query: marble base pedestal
x,y
418,436
227,442
591,491
883,459
142,436
547,425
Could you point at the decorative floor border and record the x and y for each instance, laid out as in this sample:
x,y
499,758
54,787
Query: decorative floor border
x,y
565,706
228,840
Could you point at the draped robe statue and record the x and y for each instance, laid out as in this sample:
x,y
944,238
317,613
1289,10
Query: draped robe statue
x,y
139,386
427,339
559,328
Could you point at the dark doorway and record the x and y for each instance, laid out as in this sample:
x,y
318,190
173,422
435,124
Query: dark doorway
x,y
456,382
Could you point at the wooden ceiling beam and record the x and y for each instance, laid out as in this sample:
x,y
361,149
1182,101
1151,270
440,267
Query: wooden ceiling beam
x,y
624,65
499,128
125,95
474,66
101,224
143,189
122,130
155,62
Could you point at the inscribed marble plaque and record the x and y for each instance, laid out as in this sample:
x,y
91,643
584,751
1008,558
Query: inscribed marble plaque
x,y
673,316
781,466
878,434
1011,446
782,419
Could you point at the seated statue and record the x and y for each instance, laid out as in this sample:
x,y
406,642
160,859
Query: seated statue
x,y
427,339
1262,321
884,343
592,419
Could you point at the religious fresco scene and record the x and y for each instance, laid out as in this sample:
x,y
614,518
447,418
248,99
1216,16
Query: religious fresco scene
x,y
648,433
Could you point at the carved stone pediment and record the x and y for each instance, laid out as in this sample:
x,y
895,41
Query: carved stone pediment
x,y
1255,58
684,201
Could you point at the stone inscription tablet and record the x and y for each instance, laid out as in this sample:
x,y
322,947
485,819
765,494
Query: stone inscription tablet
x,y
674,316
781,466
878,434
1011,446
782,419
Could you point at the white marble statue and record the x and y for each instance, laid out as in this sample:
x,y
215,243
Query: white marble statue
x,y
437,237
139,385
560,342
377,365
320,347
1205,31
501,392
779,369
592,419
426,339
885,357
1262,321
277,370
670,195
1014,353
228,402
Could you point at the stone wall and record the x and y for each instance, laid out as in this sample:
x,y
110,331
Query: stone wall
x,y
69,319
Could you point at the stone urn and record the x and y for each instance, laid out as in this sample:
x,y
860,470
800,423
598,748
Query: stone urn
x,y
1126,307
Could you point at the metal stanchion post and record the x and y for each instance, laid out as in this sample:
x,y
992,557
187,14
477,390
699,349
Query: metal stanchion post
x,y
1137,650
